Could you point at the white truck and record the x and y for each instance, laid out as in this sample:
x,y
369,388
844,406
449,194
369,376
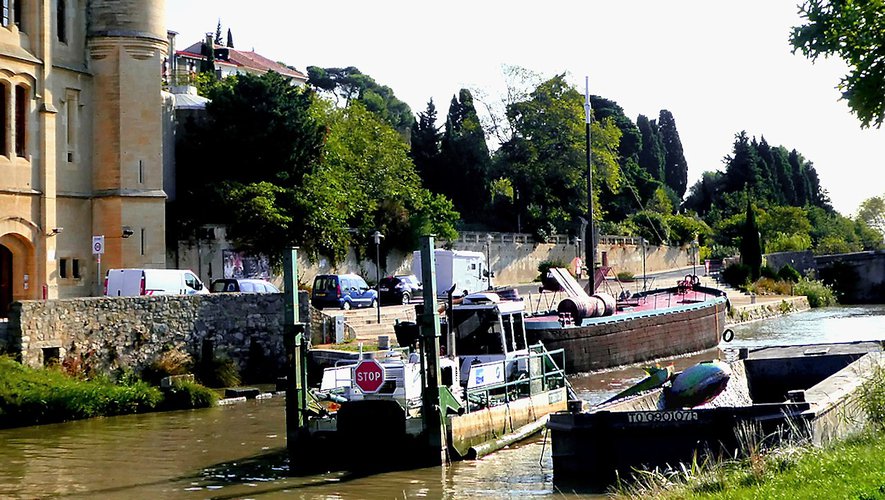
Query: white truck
x,y
133,282
463,269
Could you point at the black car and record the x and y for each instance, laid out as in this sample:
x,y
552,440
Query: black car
x,y
399,289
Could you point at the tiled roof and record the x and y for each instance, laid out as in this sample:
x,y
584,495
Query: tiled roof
x,y
248,60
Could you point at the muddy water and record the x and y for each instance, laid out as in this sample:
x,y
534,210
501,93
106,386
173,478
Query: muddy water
x,y
238,451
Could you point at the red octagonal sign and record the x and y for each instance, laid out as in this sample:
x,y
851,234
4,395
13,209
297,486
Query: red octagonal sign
x,y
368,375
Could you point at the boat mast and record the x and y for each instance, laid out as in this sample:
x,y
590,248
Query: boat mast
x,y
589,236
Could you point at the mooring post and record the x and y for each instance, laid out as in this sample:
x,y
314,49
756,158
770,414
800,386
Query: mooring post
x,y
434,420
296,365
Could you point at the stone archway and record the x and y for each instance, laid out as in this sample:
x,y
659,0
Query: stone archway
x,y
5,280
19,263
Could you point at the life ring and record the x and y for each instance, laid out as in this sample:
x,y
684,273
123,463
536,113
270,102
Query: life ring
x,y
728,335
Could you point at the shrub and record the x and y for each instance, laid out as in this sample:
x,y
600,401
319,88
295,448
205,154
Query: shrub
x,y
819,294
736,275
170,362
789,273
185,395
768,286
767,272
218,371
873,397
626,276
545,266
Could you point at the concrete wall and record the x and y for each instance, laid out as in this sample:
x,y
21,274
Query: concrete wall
x,y
109,333
514,257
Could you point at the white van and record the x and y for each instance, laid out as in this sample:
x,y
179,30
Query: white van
x,y
132,282
461,268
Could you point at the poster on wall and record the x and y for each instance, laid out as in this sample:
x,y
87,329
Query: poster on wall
x,y
240,265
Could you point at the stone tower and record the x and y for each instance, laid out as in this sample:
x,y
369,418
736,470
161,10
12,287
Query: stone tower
x,y
126,44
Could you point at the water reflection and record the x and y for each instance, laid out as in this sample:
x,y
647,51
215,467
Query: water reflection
x,y
239,451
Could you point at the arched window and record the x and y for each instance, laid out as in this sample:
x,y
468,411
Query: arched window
x,y
61,25
21,115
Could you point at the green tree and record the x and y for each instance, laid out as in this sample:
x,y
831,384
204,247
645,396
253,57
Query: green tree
x,y
367,162
751,244
675,166
425,148
546,157
244,163
853,30
218,41
465,158
742,166
872,213
349,84
651,156
230,39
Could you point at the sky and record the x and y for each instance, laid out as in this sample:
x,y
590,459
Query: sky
x,y
719,66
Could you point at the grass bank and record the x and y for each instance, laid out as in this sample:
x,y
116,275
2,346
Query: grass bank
x,y
38,396
853,468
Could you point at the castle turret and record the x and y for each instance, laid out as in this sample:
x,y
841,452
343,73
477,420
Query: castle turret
x,y
127,43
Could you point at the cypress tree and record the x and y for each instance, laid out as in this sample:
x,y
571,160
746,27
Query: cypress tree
x,y
425,147
230,39
651,156
465,155
675,166
218,40
751,244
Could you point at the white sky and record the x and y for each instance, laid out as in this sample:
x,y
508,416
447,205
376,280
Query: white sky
x,y
719,66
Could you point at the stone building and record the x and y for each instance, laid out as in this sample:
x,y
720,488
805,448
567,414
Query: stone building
x,y
80,150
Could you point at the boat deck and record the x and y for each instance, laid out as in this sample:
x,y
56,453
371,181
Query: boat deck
x,y
653,301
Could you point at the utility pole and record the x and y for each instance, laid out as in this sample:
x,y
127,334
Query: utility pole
x,y
590,237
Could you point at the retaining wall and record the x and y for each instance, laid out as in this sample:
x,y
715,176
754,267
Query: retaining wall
x,y
105,334
514,257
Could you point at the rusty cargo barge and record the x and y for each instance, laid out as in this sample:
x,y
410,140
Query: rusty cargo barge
x,y
645,326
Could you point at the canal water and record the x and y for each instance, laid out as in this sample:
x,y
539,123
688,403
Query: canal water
x,y
238,451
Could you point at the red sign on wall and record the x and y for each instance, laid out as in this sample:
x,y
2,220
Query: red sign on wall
x,y
368,376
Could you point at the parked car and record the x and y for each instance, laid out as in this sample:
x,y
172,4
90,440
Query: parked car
x,y
344,291
133,282
243,285
399,289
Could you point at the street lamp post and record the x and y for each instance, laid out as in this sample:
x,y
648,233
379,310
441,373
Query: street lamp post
x,y
378,237
694,256
643,264
489,258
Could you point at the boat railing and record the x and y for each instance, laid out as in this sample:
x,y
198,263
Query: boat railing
x,y
545,372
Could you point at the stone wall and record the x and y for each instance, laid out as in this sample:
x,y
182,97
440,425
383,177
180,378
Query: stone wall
x,y
800,261
110,333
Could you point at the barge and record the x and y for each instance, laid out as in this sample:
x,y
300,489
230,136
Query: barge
x,y
601,332
494,389
806,392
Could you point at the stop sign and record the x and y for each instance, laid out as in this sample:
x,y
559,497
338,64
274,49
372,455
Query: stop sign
x,y
368,375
